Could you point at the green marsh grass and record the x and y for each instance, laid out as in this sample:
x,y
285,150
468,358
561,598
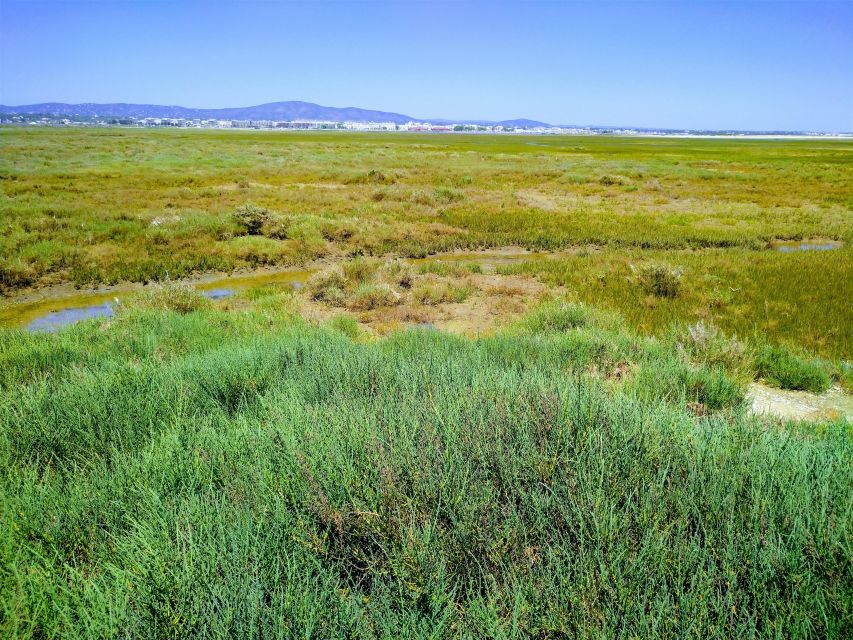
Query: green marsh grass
x,y
799,299
95,206
244,474
784,369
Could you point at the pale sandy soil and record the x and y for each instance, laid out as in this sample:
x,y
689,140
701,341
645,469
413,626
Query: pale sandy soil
x,y
800,405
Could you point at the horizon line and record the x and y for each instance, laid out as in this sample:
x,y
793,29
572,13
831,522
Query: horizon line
x,y
411,118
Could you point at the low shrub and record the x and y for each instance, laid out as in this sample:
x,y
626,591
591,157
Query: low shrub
x,y
277,227
347,325
704,342
337,230
168,296
257,250
432,291
447,268
422,197
447,194
555,317
251,218
398,273
711,388
374,176
369,296
15,275
663,376
360,270
224,475
780,367
609,181
659,280
845,375
327,285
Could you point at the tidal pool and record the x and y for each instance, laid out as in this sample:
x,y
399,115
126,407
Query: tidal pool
x,y
54,320
52,314
790,246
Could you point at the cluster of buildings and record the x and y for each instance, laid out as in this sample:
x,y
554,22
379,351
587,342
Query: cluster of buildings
x,y
197,123
425,127
429,127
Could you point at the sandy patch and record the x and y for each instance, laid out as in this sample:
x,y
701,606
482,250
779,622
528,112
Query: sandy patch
x,y
537,200
800,405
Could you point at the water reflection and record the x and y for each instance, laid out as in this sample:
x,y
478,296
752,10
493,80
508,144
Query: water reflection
x,y
55,320
790,246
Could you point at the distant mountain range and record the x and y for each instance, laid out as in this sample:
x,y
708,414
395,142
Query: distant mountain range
x,y
290,110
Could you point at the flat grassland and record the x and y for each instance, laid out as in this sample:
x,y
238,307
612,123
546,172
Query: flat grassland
x,y
310,463
105,206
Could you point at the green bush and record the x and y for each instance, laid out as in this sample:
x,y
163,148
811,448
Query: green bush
x,y
703,342
845,375
554,317
372,296
327,285
780,367
609,181
447,194
233,475
432,292
420,196
398,273
258,251
277,227
663,376
251,218
347,325
659,280
168,296
360,270
337,230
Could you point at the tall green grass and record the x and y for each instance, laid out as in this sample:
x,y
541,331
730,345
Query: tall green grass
x,y
246,475
801,299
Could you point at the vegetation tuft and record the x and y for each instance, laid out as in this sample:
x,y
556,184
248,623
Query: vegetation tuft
x,y
782,368
659,280
251,218
167,296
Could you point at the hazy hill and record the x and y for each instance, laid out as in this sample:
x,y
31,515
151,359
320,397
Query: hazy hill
x,y
289,110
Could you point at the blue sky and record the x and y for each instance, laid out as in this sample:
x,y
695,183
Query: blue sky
x,y
747,65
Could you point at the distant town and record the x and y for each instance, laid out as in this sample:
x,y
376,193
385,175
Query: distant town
x,y
199,123
55,120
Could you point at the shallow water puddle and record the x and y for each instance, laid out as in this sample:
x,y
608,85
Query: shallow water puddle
x,y
53,314
54,320
791,246
218,294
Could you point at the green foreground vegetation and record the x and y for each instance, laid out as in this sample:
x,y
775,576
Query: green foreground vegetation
x,y
210,473
312,464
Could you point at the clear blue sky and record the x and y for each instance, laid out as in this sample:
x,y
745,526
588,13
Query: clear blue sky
x,y
748,65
